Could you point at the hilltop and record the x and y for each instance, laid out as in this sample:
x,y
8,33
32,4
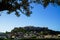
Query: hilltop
x,y
44,30
30,32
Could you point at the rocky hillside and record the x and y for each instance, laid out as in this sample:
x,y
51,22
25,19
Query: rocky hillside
x,y
43,30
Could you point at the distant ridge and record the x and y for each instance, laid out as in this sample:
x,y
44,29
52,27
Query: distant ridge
x,y
45,30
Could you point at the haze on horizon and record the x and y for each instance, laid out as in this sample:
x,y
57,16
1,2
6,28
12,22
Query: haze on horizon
x,y
48,17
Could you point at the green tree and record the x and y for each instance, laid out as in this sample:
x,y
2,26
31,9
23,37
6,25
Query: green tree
x,y
16,30
42,33
23,5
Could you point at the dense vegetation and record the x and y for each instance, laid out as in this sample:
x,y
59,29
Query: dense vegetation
x,y
41,30
31,39
30,33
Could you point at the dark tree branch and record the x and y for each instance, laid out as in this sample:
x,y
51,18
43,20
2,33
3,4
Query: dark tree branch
x,y
23,5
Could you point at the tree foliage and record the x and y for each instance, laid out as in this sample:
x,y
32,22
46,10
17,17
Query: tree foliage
x,y
23,5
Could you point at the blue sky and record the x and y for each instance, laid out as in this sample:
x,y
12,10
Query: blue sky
x,y
48,17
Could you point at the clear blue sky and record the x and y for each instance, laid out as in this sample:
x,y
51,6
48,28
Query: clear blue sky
x,y
49,17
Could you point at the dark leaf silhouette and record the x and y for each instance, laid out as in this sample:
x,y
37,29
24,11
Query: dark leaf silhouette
x,y
23,5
